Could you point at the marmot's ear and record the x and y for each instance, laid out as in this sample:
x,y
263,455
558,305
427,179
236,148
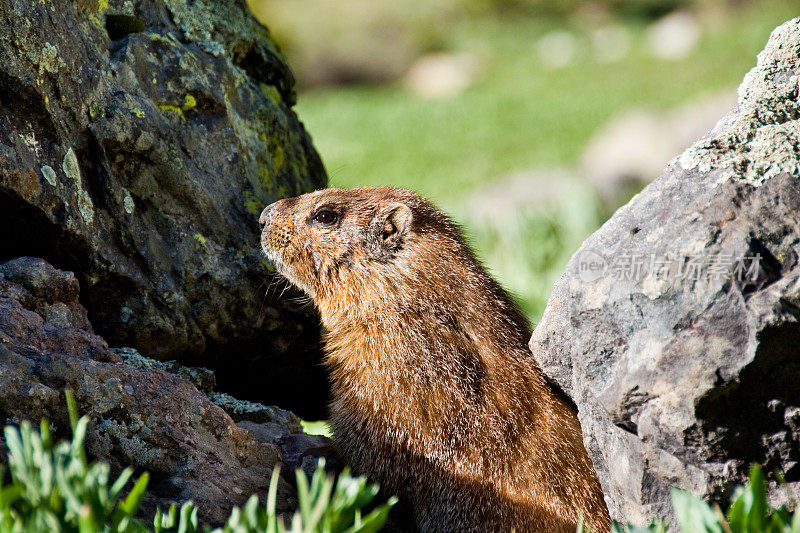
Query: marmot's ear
x,y
389,226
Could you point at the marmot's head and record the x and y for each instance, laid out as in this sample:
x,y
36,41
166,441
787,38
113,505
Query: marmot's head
x,y
323,239
372,249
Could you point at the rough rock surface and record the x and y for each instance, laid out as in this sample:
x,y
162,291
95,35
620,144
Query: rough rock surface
x,y
683,360
269,425
138,142
204,379
266,423
146,418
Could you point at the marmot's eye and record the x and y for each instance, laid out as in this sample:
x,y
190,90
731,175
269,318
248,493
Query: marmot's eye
x,y
326,217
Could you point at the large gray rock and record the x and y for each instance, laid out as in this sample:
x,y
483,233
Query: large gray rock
x,y
138,142
685,377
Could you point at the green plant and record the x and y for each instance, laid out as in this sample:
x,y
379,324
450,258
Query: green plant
x,y
183,521
52,487
749,512
324,506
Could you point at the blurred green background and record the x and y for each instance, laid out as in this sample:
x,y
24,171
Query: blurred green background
x,y
529,121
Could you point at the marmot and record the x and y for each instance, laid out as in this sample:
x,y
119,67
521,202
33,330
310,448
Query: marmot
x,y
435,393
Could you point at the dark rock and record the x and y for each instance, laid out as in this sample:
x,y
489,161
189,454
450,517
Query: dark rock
x,y
42,280
53,293
685,377
255,412
146,418
307,451
266,432
298,450
202,378
138,143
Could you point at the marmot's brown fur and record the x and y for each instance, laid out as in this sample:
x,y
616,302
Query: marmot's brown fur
x,y
435,393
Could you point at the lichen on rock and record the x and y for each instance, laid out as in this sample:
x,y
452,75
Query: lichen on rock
x,y
759,140
72,172
135,126
49,175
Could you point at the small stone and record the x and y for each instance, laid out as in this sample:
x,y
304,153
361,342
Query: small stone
x,y
557,49
674,36
241,410
127,202
49,175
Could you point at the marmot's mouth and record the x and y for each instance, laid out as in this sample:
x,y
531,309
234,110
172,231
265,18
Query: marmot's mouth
x,y
276,260
280,266
271,256
284,271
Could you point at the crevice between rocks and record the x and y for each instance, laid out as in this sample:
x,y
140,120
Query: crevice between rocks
x,y
120,26
25,231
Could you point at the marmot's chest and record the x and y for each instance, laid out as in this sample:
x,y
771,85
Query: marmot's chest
x,y
375,439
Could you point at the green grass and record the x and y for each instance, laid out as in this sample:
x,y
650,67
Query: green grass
x,y
519,115
317,427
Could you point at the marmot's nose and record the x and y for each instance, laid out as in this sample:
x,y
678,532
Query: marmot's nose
x,y
263,220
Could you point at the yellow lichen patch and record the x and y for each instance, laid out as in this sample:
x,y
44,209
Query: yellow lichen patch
x,y
277,156
158,37
252,204
138,112
266,177
271,93
199,238
96,20
188,102
173,108
94,107
102,5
